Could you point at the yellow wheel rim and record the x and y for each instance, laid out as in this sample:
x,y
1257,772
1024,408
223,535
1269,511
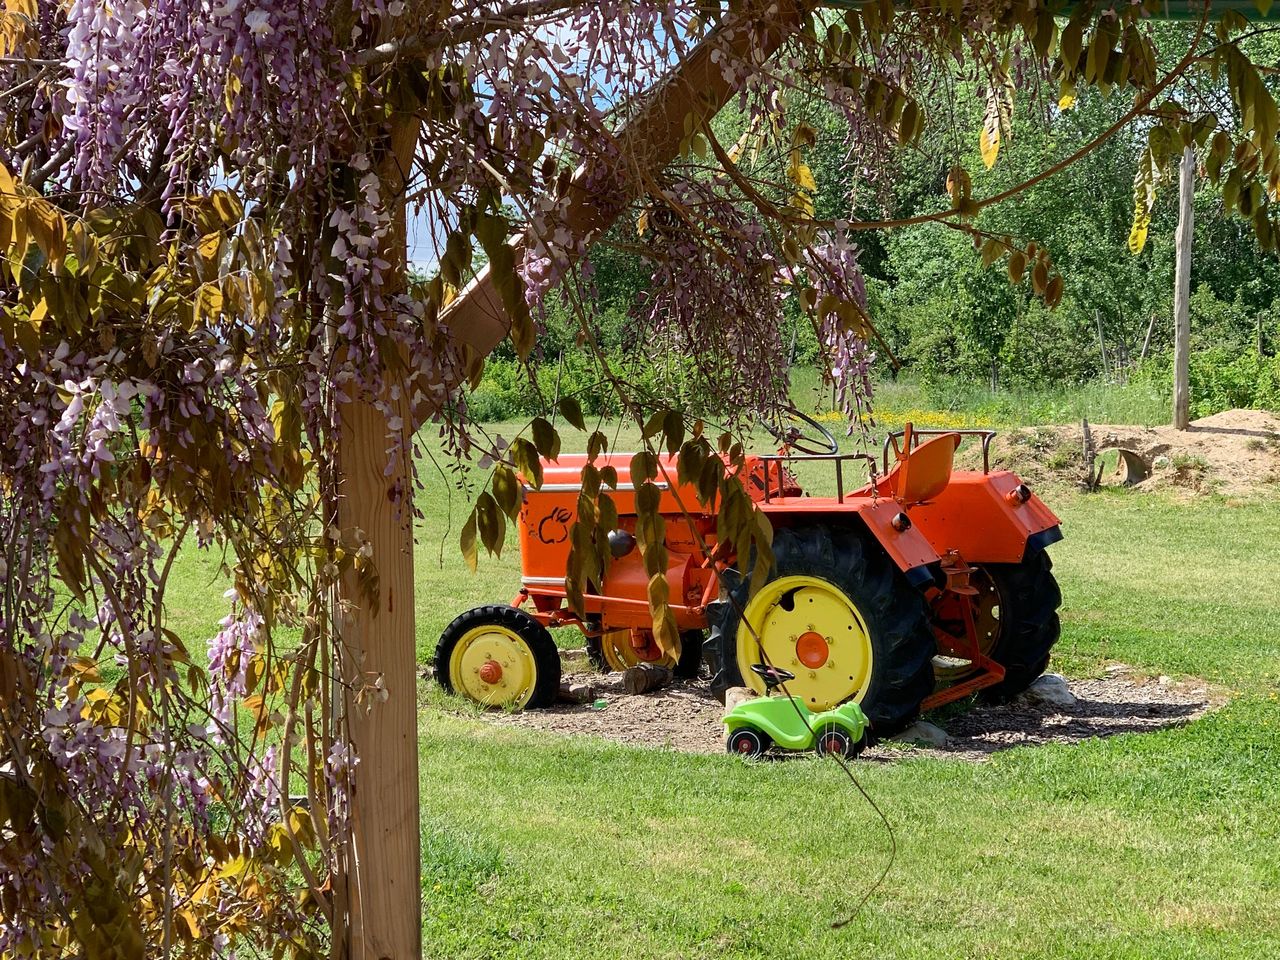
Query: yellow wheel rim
x,y
620,653
810,627
493,666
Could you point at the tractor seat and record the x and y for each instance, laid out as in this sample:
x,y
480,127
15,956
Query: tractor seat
x,y
921,472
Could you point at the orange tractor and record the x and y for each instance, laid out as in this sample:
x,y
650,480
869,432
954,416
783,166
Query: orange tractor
x,y
922,587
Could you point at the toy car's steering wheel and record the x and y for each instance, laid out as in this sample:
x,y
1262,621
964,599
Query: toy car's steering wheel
x,y
799,431
772,675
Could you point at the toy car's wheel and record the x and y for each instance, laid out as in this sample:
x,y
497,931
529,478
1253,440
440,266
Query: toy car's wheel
x,y
499,656
747,743
838,613
833,739
1028,622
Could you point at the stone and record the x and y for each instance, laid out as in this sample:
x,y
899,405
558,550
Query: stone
x,y
1115,668
736,695
1051,689
923,733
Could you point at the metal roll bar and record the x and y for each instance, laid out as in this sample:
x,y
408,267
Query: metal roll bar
x,y
836,458
916,434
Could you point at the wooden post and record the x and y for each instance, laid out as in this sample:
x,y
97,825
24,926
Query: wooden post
x,y
383,895
1146,341
1182,291
1102,345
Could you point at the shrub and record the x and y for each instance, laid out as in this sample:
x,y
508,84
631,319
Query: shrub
x,y
507,391
1050,348
1221,378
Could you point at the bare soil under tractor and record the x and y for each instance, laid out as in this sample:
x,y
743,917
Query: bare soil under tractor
x,y
687,717
1234,453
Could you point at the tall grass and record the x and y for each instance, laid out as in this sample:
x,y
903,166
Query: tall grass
x,y
955,403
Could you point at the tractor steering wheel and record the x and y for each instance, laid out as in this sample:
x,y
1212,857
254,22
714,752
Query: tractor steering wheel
x,y
799,431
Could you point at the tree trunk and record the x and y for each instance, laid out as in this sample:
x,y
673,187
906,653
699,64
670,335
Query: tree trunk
x,y
1182,291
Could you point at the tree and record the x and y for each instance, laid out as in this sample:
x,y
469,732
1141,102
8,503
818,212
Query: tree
x,y
208,342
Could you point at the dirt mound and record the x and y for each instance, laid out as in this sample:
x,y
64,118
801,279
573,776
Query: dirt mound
x,y
1235,453
686,717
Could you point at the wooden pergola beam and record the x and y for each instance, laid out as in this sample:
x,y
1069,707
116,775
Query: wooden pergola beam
x,y
598,194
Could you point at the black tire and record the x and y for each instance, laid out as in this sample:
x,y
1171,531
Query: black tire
x,y
748,743
1029,625
690,663
833,739
902,641
546,658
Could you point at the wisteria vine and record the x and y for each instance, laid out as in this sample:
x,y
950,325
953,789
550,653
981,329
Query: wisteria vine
x,y
202,223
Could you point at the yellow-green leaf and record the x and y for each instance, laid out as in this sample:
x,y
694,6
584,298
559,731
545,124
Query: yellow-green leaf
x,y
989,139
572,411
468,542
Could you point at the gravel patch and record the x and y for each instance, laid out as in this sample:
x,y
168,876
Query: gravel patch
x,y
686,717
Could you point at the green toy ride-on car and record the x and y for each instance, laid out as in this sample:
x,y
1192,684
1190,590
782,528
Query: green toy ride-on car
x,y
755,725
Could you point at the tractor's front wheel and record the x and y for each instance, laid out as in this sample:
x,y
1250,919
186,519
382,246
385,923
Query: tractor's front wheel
x,y
499,656
838,614
1028,625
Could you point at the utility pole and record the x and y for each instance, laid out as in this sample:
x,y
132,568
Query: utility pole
x,y
1182,290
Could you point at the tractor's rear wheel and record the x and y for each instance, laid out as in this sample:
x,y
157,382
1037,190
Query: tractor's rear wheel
x,y
837,613
499,656
1028,622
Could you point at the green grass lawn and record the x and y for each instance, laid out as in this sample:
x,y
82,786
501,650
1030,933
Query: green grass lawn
x,y
1154,845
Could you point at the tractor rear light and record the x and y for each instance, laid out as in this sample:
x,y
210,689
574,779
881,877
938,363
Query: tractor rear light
x,y
1019,494
900,522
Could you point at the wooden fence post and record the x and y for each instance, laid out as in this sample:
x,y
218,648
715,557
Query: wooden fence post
x,y
383,892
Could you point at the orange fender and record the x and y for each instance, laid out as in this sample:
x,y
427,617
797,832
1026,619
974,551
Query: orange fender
x,y
985,518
